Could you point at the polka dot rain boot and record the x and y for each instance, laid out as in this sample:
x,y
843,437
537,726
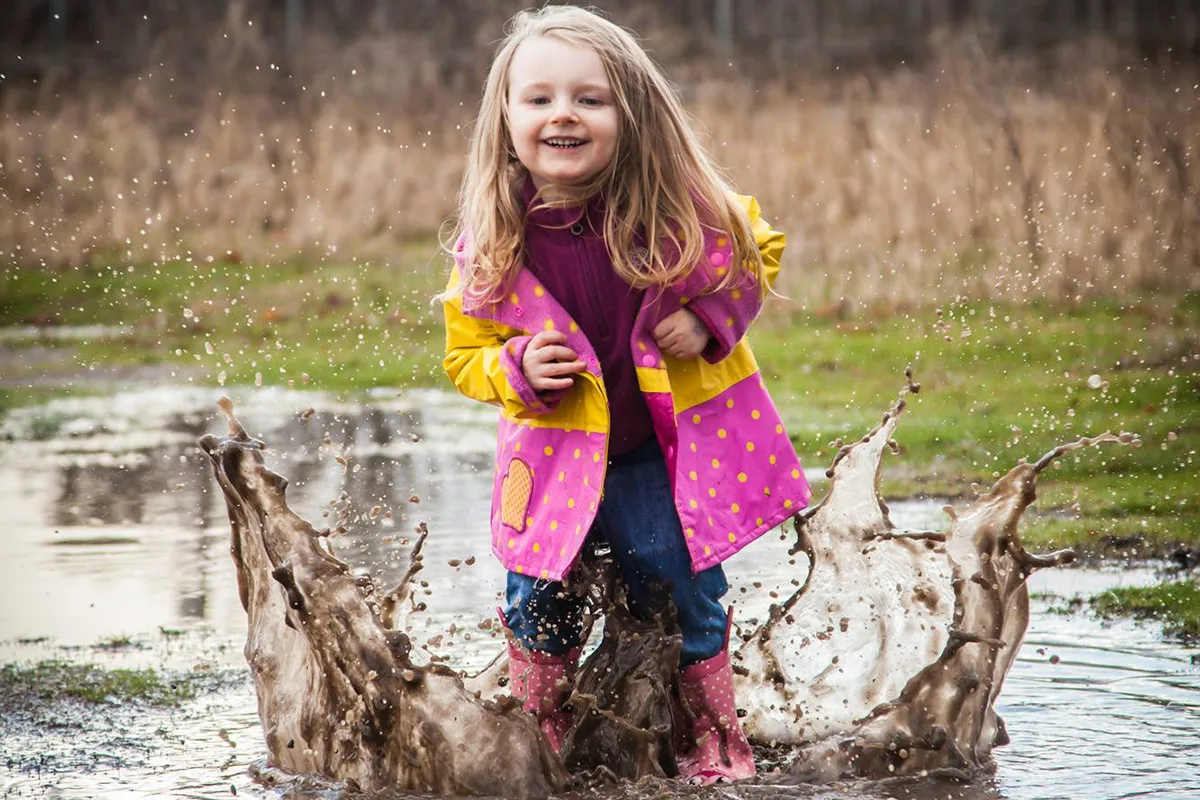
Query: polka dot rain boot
x,y
718,750
542,682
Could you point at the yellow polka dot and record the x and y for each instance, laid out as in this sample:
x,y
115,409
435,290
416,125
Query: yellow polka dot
x,y
690,532
576,453
759,522
755,414
721,272
562,476
716,464
548,324
528,521
787,503
517,447
767,491
537,548
596,457
511,542
736,294
772,459
573,327
642,346
712,492
795,473
539,291
570,502
749,447
545,573
680,235
545,499
710,522
707,550
732,536
692,474
721,434
722,241
735,508
729,403
692,503
562,551
578,529
696,418
587,481
779,429
520,569
729,322
692,446
548,450
553,524
513,298
742,477
591,506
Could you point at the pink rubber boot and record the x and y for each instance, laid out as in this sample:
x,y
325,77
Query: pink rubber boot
x,y
542,682
720,751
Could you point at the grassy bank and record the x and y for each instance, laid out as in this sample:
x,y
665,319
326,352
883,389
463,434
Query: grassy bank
x,y
1176,604
1001,382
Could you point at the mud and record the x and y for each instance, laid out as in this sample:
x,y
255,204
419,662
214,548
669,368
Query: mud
x,y
887,661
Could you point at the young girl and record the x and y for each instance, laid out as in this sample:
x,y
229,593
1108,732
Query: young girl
x,y
605,275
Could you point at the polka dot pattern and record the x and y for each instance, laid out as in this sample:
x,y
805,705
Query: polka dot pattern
x,y
742,474
549,537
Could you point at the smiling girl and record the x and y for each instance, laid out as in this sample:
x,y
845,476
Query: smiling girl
x,y
605,276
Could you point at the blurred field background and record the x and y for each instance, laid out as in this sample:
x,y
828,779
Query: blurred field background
x,y
915,151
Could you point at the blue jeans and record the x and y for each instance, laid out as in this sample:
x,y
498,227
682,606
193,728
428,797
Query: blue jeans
x,y
637,518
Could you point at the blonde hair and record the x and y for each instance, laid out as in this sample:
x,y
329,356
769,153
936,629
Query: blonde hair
x,y
660,183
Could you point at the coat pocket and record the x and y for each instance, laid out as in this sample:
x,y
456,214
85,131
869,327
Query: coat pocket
x,y
515,492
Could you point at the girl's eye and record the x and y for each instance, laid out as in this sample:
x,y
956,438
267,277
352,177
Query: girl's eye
x,y
539,101
592,101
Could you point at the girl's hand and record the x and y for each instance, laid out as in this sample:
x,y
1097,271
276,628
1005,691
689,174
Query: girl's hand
x,y
681,335
548,363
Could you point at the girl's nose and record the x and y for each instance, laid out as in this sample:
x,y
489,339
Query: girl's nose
x,y
564,112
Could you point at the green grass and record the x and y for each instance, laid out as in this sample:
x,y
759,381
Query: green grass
x,y
1176,605
58,680
344,324
1001,382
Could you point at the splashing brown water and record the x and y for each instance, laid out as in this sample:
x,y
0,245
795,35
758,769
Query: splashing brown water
x,y
887,661
337,691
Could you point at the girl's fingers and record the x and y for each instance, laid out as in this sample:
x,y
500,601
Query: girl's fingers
x,y
558,368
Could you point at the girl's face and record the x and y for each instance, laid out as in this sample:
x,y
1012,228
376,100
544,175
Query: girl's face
x,y
561,113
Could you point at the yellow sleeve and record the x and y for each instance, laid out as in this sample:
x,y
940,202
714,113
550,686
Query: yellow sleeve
x,y
770,241
483,359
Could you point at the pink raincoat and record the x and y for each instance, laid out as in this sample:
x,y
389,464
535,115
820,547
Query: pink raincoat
x,y
734,471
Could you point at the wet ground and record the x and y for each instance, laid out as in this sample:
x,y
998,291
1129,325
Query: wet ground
x,y
117,554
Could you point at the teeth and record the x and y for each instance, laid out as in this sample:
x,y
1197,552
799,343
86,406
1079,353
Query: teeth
x,y
564,142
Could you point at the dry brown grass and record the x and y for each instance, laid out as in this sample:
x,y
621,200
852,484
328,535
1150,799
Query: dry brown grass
x,y
1069,177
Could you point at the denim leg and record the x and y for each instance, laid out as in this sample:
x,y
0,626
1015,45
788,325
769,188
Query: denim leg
x,y
543,615
639,520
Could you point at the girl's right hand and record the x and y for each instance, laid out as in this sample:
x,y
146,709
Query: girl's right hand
x,y
548,363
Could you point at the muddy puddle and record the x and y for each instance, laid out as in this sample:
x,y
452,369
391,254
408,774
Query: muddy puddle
x,y
119,555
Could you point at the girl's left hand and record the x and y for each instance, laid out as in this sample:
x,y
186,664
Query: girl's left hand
x,y
681,335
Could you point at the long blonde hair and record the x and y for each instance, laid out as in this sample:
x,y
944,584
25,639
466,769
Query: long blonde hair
x,y
660,184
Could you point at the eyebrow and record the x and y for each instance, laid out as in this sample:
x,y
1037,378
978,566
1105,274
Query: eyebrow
x,y
542,85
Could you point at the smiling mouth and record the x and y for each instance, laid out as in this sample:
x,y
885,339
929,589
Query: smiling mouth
x,y
564,142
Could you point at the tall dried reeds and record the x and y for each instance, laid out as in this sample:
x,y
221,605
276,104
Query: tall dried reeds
x,y
1066,176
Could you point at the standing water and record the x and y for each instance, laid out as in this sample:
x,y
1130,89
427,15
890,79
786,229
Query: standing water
x,y
119,556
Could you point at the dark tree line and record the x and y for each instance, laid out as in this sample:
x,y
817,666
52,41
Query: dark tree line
x,y
114,35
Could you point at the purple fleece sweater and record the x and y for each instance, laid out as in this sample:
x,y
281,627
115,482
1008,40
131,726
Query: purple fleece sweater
x,y
566,252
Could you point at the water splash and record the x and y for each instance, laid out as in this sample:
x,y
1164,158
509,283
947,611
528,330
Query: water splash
x,y
338,693
887,661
